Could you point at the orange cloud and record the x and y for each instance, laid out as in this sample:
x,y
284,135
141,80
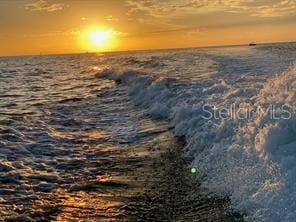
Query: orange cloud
x,y
43,5
267,8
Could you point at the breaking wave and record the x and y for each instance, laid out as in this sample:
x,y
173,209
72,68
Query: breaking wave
x,y
253,161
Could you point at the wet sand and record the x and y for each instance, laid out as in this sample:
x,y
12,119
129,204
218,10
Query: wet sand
x,y
134,184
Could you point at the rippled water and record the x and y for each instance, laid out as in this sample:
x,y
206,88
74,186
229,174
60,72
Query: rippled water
x,y
64,120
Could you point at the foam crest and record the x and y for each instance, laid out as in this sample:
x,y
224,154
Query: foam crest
x,y
253,161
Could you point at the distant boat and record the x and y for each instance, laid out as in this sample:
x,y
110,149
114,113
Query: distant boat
x,y
252,44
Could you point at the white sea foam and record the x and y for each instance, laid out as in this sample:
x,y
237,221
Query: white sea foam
x,y
253,160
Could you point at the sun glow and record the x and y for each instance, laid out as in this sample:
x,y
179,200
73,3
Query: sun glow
x,y
99,37
96,39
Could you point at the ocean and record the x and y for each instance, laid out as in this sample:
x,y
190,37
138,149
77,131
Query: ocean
x,y
70,119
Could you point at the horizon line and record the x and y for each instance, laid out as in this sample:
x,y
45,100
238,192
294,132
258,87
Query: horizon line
x,y
142,50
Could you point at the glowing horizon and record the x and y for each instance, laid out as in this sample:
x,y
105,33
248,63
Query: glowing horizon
x,y
61,26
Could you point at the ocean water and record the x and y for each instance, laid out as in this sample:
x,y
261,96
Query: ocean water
x,y
57,111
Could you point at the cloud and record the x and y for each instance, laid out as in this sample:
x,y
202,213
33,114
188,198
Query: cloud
x,y
43,5
267,8
150,7
111,18
263,8
194,17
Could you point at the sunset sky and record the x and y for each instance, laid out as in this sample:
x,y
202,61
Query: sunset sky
x,y
70,26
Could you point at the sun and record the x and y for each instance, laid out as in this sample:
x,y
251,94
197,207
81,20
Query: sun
x,y
96,39
100,38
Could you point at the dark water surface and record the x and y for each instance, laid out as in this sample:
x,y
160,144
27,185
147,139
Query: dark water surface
x,y
74,148
83,138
